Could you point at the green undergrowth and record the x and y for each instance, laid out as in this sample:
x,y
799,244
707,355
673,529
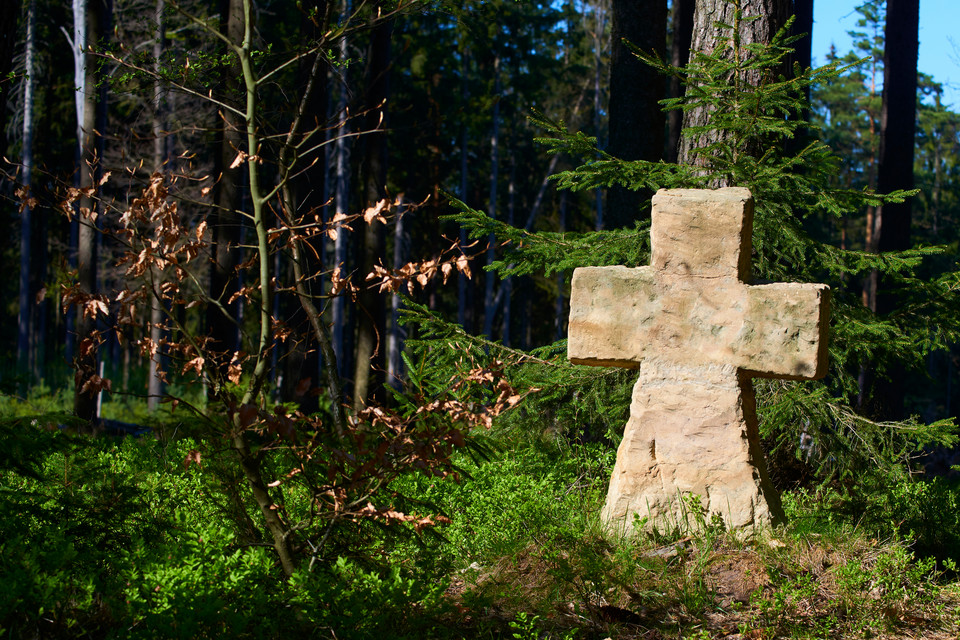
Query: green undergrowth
x,y
121,538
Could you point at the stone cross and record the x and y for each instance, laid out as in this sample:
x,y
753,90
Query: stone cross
x,y
698,334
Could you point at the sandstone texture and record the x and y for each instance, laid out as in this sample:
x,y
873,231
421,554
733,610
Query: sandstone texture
x,y
698,333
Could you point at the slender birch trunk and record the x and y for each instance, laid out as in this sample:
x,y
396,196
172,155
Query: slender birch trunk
x,y
87,18
24,320
155,374
341,199
397,333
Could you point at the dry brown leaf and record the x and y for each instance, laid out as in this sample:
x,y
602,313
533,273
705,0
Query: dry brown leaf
x,y
241,156
376,212
196,364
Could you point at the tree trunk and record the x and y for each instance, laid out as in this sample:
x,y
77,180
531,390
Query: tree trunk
x,y
682,27
802,57
222,317
489,308
310,187
803,24
24,319
155,371
397,334
89,19
895,171
341,198
464,288
760,21
370,363
599,27
636,121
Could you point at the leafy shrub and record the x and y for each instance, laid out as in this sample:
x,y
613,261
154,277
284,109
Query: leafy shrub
x,y
529,492
351,601
197,583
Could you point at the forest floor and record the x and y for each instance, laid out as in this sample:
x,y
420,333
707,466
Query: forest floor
x,y
699,588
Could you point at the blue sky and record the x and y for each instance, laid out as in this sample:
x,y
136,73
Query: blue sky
x,y
939,38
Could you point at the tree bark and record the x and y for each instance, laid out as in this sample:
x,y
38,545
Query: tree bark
x,y
761,19
341,198
222,317
155,372
370,363
489,308
895,171
464,287
397,333
636,121
24,319
310,187
599,27
682,27
92,14
802,57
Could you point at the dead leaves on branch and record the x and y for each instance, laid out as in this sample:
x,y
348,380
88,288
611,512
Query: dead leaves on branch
x,y
346,473
453,259
167,241
342,469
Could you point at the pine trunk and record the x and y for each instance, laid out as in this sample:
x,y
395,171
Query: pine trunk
x,y
341,198
370,363
463,283
599,27
682,29
895,171
760,21
24,320
636,121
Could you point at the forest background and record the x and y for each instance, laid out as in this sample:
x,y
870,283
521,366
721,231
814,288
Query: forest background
x,y
322,251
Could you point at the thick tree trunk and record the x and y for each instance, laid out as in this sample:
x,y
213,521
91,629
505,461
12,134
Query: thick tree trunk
x,y
802,57
599,28
682,26
760,21
370,363
803,24
636,121
895,171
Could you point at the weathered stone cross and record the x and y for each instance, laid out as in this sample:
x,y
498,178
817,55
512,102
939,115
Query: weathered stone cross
x,y
698,334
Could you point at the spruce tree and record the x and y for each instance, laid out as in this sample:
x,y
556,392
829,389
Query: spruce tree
x,y
793,190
